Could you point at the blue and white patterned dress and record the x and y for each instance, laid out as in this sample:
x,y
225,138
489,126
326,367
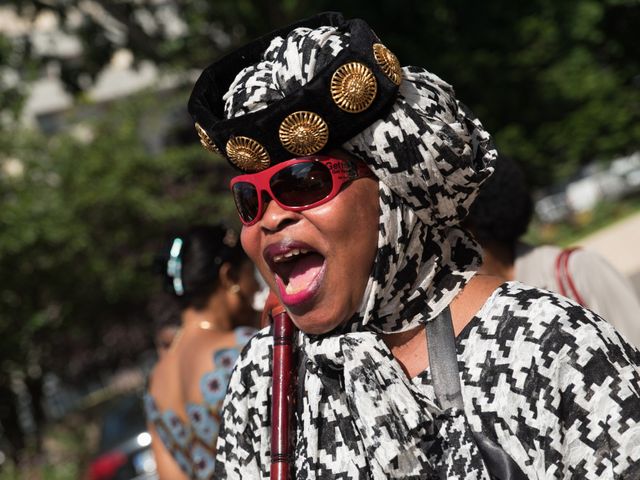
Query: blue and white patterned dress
x,y
192,443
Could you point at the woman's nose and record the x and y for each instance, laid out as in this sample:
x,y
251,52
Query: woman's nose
x,y
276,218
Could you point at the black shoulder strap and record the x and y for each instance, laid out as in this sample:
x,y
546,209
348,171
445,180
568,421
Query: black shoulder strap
x,y
443,362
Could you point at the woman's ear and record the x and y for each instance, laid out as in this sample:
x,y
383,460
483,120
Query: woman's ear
x,y
227,276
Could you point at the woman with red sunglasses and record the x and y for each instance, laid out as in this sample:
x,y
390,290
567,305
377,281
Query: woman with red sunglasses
x,y
356,174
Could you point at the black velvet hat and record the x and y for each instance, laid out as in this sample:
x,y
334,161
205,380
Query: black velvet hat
x,y
348,94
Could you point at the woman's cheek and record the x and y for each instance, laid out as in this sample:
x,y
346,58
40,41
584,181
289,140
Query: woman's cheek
x,y
250,243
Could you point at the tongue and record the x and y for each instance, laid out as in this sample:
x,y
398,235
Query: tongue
x,y
304,272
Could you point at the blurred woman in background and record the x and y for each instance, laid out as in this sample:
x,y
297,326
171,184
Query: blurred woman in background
x,y
214,283
167,318
500,216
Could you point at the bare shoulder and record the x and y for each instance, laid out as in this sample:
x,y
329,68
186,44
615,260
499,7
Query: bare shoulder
x,y
204,347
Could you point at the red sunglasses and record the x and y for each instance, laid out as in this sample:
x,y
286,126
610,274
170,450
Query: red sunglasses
x,y
296,185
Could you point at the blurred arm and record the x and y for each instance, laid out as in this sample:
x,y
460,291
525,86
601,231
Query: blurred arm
x,y
167,467
607,292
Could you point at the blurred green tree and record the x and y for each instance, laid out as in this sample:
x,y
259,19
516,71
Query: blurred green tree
x,y
173,34
557,82
83,213
15,66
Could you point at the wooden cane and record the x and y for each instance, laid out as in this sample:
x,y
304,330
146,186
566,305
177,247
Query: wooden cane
x,y
282,393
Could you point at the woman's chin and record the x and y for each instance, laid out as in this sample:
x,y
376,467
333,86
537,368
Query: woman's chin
x,y
314,323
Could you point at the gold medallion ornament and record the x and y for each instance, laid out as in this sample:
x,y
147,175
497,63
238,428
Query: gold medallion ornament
x,y
353,87
303,133
205,140
388,63
247,154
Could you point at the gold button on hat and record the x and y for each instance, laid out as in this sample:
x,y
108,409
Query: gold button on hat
x,y
303,133
205,140
353,87
247,154
388,62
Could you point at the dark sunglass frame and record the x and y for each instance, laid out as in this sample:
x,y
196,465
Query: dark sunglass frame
x,y
341,171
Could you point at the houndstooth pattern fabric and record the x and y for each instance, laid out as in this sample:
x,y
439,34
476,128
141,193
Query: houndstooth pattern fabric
x,y
287,64
430,155
550,382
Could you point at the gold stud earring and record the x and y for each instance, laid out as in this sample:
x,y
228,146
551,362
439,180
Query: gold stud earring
x,y
235,289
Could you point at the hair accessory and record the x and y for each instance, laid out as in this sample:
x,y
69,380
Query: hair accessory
x,y
247,154
353,87
345,97
304,133
205,141
174,266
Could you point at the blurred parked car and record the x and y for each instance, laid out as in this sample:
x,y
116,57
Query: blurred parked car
x,y
628,169
591,185
124,451
553,208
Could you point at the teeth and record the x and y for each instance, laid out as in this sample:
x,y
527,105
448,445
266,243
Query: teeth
x,y
289,255
292,253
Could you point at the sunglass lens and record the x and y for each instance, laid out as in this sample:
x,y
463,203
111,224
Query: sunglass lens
x,y
246,198
301,184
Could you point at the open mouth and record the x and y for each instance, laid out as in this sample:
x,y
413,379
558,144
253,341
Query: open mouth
x,y
298,272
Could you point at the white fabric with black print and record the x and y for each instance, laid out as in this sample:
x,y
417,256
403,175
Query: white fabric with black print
x,y
358,415
551,383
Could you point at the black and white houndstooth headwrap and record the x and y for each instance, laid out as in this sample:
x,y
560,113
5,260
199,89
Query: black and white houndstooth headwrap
x,y
430,155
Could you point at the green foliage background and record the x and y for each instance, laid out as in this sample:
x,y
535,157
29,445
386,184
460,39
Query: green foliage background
x,y
80,226
557,83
